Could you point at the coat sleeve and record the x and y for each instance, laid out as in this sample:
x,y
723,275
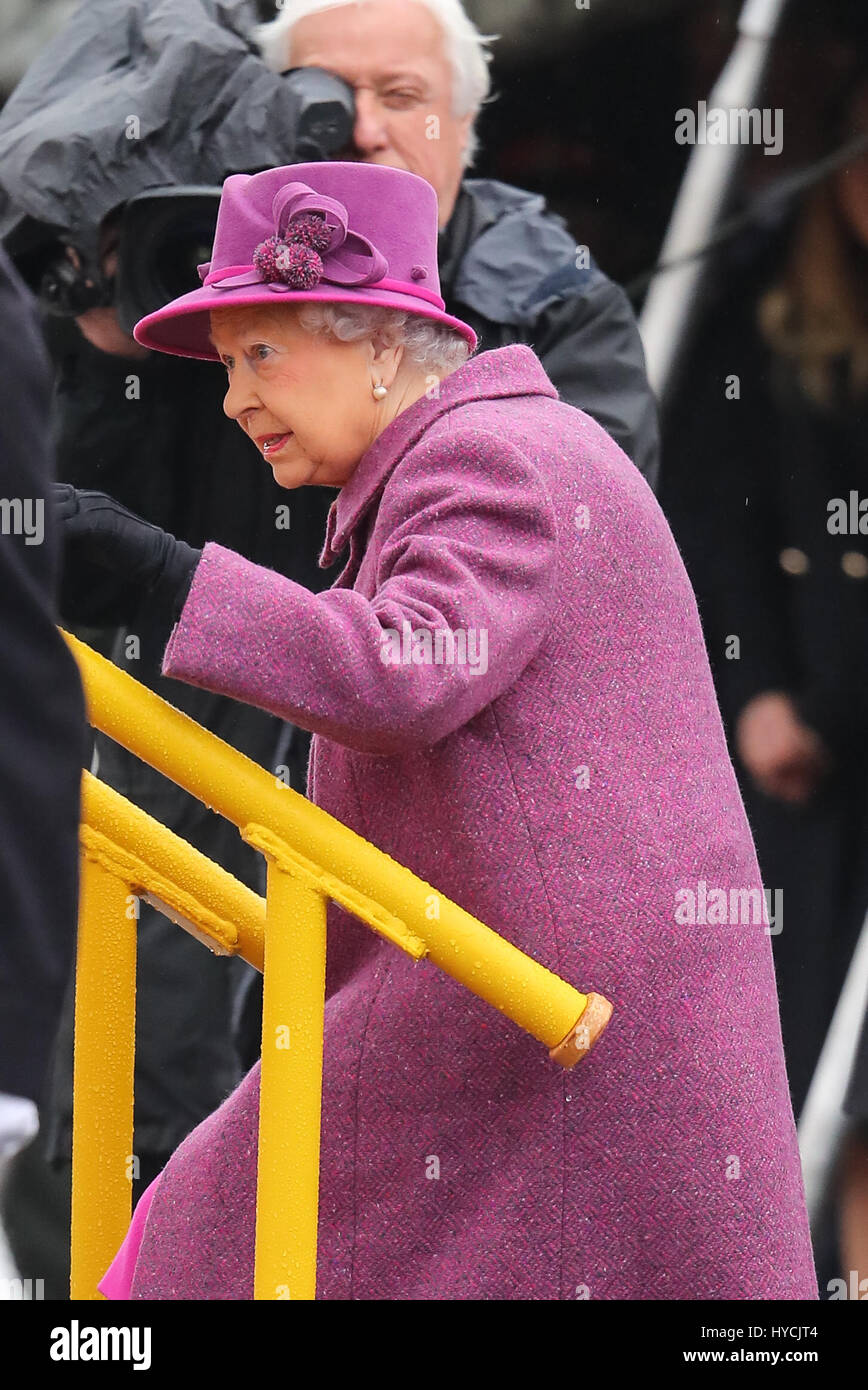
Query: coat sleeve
x,y
470,548
587,338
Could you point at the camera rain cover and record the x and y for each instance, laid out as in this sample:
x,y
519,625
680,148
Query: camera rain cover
x,y
137,94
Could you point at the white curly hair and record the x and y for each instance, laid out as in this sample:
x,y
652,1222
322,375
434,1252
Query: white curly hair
x,y
434,348
465,47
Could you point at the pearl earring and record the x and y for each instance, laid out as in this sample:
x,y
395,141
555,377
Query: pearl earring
x,y
380,391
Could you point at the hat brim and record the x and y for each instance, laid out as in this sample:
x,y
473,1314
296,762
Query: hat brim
x,y
182,327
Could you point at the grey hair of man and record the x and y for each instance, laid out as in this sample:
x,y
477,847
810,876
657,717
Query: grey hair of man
x,y
465,47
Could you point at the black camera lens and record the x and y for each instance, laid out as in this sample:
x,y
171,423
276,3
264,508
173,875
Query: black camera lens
x,y
165,234
174,263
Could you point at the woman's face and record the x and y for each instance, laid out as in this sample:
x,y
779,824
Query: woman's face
x,y
306,400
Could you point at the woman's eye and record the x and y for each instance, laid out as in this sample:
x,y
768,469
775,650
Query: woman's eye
x,y
261,351
228,363
401,98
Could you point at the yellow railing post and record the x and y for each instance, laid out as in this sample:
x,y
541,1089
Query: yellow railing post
x,y
290,1100
105,1027
192,891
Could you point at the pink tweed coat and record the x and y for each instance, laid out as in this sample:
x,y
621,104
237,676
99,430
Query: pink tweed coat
x,y
568,784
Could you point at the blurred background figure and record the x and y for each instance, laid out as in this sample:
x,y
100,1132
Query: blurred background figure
x,y
766,448
44,737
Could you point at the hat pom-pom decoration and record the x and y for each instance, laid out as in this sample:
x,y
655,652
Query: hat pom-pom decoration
x,y
294,259
263,257
310,229
298,267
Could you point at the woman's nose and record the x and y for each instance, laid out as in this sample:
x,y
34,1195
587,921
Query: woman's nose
x,y
240,395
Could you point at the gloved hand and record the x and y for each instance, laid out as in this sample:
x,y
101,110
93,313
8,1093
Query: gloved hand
x,y
147,562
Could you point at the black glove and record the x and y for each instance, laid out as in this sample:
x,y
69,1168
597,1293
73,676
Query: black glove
x,y
145,562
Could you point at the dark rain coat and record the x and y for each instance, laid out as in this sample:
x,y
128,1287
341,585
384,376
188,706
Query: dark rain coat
x,y
44,735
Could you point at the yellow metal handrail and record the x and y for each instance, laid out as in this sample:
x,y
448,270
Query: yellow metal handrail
x,y
195,893
311,858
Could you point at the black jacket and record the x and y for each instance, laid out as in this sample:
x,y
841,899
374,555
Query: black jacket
x,y
43,735
747,488
752,463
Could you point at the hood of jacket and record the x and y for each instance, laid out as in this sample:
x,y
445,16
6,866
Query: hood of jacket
x,y
501,250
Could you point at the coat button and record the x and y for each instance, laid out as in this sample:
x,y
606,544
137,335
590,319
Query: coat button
x,y
794,561
854,564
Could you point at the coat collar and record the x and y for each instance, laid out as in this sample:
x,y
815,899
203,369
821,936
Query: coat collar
x,y
470,218
509,371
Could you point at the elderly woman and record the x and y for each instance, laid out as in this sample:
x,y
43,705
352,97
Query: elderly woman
x,y
559,769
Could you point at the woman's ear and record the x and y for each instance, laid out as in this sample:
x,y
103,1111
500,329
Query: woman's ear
x,y
385,360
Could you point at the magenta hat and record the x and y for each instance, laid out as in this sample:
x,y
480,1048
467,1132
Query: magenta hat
x,y
330,231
